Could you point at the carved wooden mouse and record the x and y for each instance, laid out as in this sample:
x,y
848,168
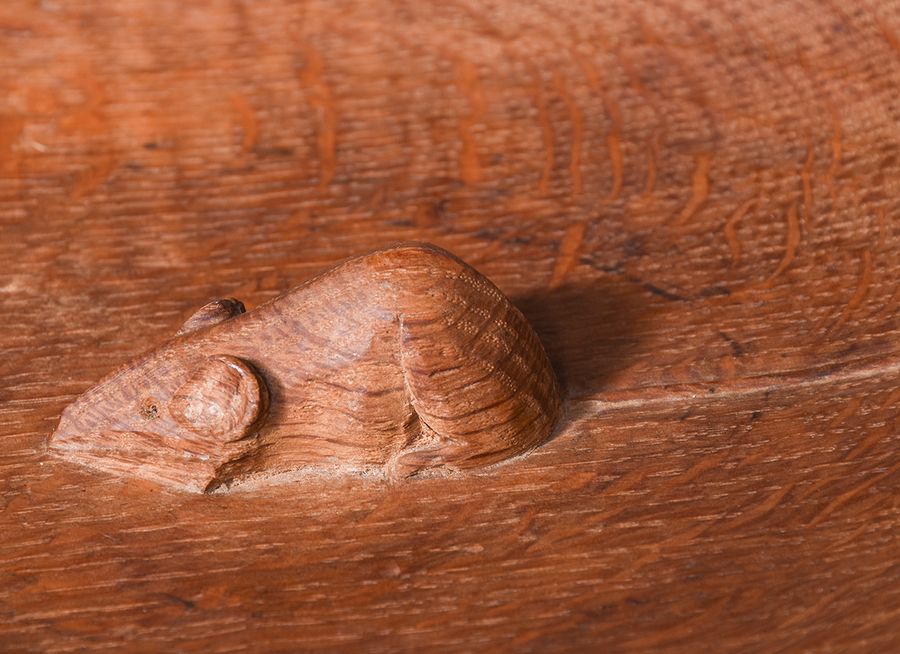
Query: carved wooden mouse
x,y
402,360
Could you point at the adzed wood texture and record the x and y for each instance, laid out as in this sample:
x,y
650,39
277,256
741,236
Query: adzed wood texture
x,y
402,362
695,204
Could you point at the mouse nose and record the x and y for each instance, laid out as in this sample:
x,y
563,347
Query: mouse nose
x,y
77,421
67,430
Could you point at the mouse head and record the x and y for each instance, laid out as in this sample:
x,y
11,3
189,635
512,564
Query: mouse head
x,y
181,414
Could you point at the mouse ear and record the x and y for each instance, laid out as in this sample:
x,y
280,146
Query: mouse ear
x,y
225,398
212,313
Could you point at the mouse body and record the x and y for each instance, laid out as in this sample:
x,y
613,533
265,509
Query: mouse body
x,y
399,361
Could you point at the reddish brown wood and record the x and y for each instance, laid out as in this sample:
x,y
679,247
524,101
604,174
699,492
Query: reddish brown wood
x,y
403,361
693,203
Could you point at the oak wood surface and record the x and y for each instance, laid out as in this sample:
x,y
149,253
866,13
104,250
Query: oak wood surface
x,y
694,203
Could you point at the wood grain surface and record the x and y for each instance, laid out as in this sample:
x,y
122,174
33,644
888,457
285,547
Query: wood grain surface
x,y
695,203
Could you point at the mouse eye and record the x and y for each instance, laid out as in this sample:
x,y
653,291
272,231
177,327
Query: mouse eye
x,y
225,398
149,409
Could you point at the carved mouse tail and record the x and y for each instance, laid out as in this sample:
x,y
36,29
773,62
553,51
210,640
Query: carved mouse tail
x,y
476,373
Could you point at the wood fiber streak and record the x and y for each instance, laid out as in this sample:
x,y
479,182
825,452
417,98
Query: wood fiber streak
x,y
694,203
